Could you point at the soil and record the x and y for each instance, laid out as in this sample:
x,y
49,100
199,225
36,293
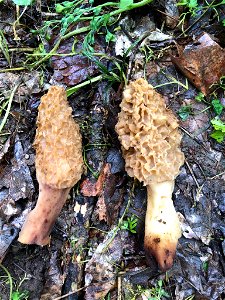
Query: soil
x,y
91,255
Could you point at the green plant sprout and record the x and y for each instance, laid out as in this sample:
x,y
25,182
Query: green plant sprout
x,y
130,224
217,106
16,294
192,7
154,293
4,46
173,81
72,14
219,126
219,130
87,148
184,112
200,97
157,292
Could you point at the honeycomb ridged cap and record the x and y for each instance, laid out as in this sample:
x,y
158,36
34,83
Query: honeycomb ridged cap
x,y
58,143
149,135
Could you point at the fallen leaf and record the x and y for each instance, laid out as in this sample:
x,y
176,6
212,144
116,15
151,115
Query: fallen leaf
x,y
16,176
73,69
100,276
202,62
92,189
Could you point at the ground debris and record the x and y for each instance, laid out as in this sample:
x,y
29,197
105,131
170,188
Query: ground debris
x,y
72,69
7,234
16,176
109,196
54,280
15,183
93,189
172,13
141,44
100,272
202,62
30,84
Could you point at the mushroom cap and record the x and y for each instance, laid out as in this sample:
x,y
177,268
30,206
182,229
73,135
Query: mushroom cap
x,y
149,135
58,144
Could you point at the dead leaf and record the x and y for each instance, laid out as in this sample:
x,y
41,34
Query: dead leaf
x,y
202,62
7,234
73,69
100,276
92,189
101,207
16,176
30,84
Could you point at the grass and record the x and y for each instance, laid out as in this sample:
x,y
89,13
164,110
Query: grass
x,y
8,104
192,7
73,13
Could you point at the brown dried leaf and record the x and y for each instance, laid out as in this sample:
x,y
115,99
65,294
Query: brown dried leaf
x,y
92,189
101,208
202,62
73,69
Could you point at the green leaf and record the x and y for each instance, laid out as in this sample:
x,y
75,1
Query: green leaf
x,y
218,125
183,2
110,37
20,295
200,97
125,3
193,4
59,8
217,106
23,2
218,136
184,112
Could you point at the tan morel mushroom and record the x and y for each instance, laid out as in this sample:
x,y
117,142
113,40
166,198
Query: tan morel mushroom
x,y
59,164
150,140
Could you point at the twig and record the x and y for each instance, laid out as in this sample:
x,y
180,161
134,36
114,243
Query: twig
x,y
192,173
9,105
220,174
119,288
191,136
70,293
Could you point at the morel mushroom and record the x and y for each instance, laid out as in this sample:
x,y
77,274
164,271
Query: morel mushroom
x,y
150,140
59,164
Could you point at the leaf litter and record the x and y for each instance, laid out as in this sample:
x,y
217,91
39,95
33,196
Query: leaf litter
x,y
80,261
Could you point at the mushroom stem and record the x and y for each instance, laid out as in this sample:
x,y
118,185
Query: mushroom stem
x,y
162,227
41,219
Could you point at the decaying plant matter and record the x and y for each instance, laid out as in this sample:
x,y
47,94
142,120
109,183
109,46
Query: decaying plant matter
x,y
59,164
150,139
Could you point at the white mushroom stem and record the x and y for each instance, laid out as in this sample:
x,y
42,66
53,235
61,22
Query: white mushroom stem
x,y
162,226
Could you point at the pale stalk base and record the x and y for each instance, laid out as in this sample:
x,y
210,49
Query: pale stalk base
x,y
41,219
162,226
